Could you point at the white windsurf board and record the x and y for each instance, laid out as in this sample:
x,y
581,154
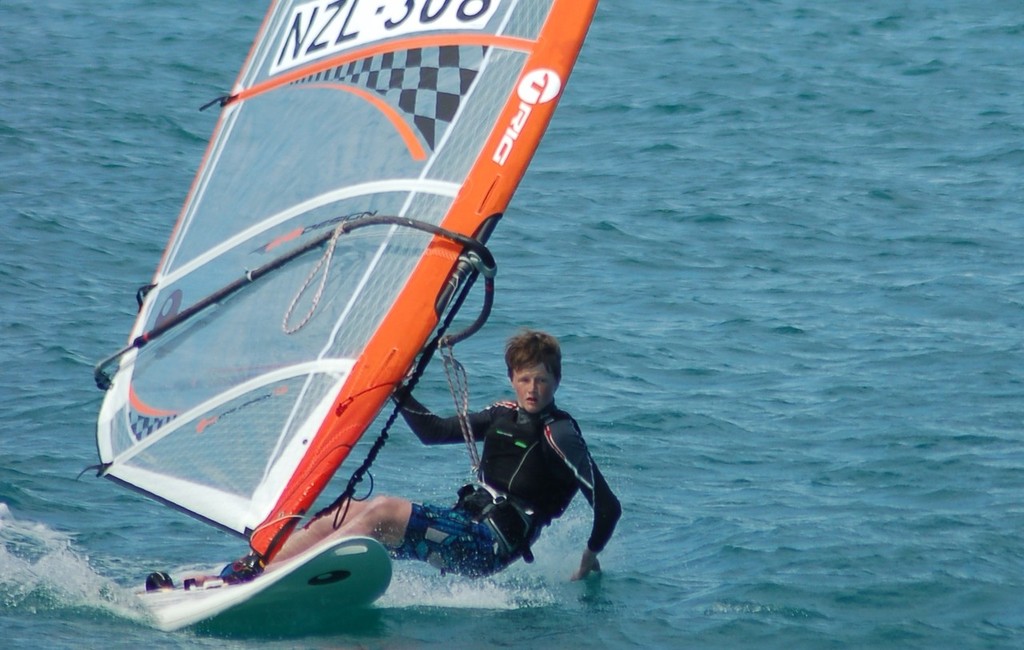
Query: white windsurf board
x,y
334,576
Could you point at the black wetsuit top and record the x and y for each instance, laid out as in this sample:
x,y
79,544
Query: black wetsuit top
x,y
540,459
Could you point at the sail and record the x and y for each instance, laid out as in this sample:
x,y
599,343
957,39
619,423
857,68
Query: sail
x,y
274,330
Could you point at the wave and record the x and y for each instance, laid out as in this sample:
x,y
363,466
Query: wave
x,y
42,573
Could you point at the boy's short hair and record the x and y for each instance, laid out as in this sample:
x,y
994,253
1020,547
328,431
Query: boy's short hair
x,y
530,347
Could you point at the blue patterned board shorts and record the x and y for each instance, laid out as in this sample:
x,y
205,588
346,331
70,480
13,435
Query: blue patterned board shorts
x,y
449,539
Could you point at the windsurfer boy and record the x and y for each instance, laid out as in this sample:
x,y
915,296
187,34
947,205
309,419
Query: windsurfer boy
x,y
534,461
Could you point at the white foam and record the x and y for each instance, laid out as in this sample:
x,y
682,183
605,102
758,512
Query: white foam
x,y
520,586
41,571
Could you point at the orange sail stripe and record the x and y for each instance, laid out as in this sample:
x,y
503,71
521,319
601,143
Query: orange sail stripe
x,y
416,149
145,409
507,42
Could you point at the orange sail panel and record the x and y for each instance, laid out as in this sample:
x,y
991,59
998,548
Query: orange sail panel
x,y
249,400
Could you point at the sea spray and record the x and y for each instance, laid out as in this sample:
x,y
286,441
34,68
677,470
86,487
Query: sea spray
x,y
40,571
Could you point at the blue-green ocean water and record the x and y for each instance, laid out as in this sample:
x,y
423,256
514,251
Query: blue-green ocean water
x,y
779,239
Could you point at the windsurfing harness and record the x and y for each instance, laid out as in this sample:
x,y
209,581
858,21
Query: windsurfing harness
x,y
532,465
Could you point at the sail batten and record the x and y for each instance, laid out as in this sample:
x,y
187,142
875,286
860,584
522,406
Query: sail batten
x,y
273,334
404,186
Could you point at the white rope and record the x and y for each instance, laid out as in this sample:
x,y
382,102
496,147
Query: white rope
x,y
325,263
458,383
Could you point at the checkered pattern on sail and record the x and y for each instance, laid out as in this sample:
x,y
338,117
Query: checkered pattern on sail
x,y
427,84
143,425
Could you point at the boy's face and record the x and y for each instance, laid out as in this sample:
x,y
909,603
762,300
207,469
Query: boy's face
x,y
535,387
